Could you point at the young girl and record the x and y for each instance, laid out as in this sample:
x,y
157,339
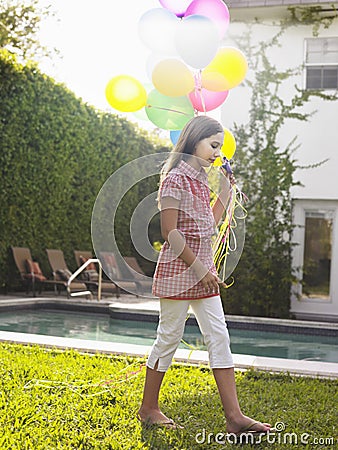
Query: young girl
x,y
185,274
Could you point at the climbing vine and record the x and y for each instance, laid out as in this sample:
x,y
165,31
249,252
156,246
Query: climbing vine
x,y
316,16
266,172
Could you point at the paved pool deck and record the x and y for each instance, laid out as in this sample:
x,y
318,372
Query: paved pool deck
x,y
150,306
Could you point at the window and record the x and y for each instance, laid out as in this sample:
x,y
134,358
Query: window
x,y
317,254
321,63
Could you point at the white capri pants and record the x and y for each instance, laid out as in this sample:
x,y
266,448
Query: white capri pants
x,y
211,321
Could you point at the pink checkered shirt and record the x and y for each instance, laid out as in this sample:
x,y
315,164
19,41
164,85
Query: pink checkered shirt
x,y
173,278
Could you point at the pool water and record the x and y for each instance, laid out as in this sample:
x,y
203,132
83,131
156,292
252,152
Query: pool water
x,y
102,327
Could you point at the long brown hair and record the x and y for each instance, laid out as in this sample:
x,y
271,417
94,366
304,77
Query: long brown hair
x,y
197,129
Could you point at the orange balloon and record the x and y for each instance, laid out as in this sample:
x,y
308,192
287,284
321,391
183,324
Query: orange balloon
x,y
172,77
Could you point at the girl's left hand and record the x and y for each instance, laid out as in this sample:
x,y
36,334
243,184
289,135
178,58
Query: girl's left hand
x,y
210,283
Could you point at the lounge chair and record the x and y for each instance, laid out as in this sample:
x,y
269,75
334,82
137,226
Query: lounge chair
x,y
90,275
29,276
30,272
122,275
62,273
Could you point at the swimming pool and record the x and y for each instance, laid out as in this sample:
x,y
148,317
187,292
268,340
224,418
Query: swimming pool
x,y
103,327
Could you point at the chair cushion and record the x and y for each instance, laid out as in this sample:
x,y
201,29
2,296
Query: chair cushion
x,y
64,274
90,266
34,271
91,275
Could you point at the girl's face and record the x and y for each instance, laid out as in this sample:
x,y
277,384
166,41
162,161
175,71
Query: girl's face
x,y
208,150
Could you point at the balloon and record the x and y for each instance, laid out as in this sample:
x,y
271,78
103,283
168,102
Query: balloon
x,y
197,40
215,10
172,77
178,7
226,70
169,113
204,100
218,162
174,135
228,149
125,93
157,29
229,144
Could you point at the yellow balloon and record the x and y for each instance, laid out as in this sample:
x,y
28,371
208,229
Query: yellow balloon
x,y
126,93
172,77
218,162
228,148
226,70
229,144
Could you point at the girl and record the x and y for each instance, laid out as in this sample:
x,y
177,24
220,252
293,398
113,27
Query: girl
x,y
185,274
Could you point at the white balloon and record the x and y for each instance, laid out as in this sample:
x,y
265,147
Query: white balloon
x,y
157,30
197,40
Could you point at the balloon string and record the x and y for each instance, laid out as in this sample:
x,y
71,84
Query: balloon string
x,y
83,389
198,90
221,246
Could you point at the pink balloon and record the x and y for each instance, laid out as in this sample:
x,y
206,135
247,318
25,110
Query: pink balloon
x,y
204,100
215,10
178,7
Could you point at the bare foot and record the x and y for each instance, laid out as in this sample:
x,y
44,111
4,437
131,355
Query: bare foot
x,y
246,424
152,416
156,417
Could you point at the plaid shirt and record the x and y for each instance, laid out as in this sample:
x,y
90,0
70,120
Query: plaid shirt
x,y
173,278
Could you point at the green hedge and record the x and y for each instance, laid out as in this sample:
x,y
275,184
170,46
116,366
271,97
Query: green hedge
x,y
56,152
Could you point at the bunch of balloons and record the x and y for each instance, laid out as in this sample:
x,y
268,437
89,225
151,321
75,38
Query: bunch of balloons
x,y
190,72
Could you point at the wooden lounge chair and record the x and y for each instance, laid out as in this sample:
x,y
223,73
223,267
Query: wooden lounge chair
x,y
122,275
30,272
62,273
21,255
90,275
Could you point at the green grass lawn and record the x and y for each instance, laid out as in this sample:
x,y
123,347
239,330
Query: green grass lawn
x,y
52,399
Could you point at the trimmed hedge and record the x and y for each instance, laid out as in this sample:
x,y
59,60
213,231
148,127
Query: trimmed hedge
x,y
56,153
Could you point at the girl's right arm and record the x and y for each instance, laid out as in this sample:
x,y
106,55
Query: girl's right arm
x,y
169,216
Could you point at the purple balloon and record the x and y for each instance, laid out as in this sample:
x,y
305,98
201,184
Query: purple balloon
x,y
215,10
178,7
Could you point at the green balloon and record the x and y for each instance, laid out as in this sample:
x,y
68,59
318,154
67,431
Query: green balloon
x,y
169,113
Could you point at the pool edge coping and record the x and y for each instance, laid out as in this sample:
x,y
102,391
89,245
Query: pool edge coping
x,y
148,308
